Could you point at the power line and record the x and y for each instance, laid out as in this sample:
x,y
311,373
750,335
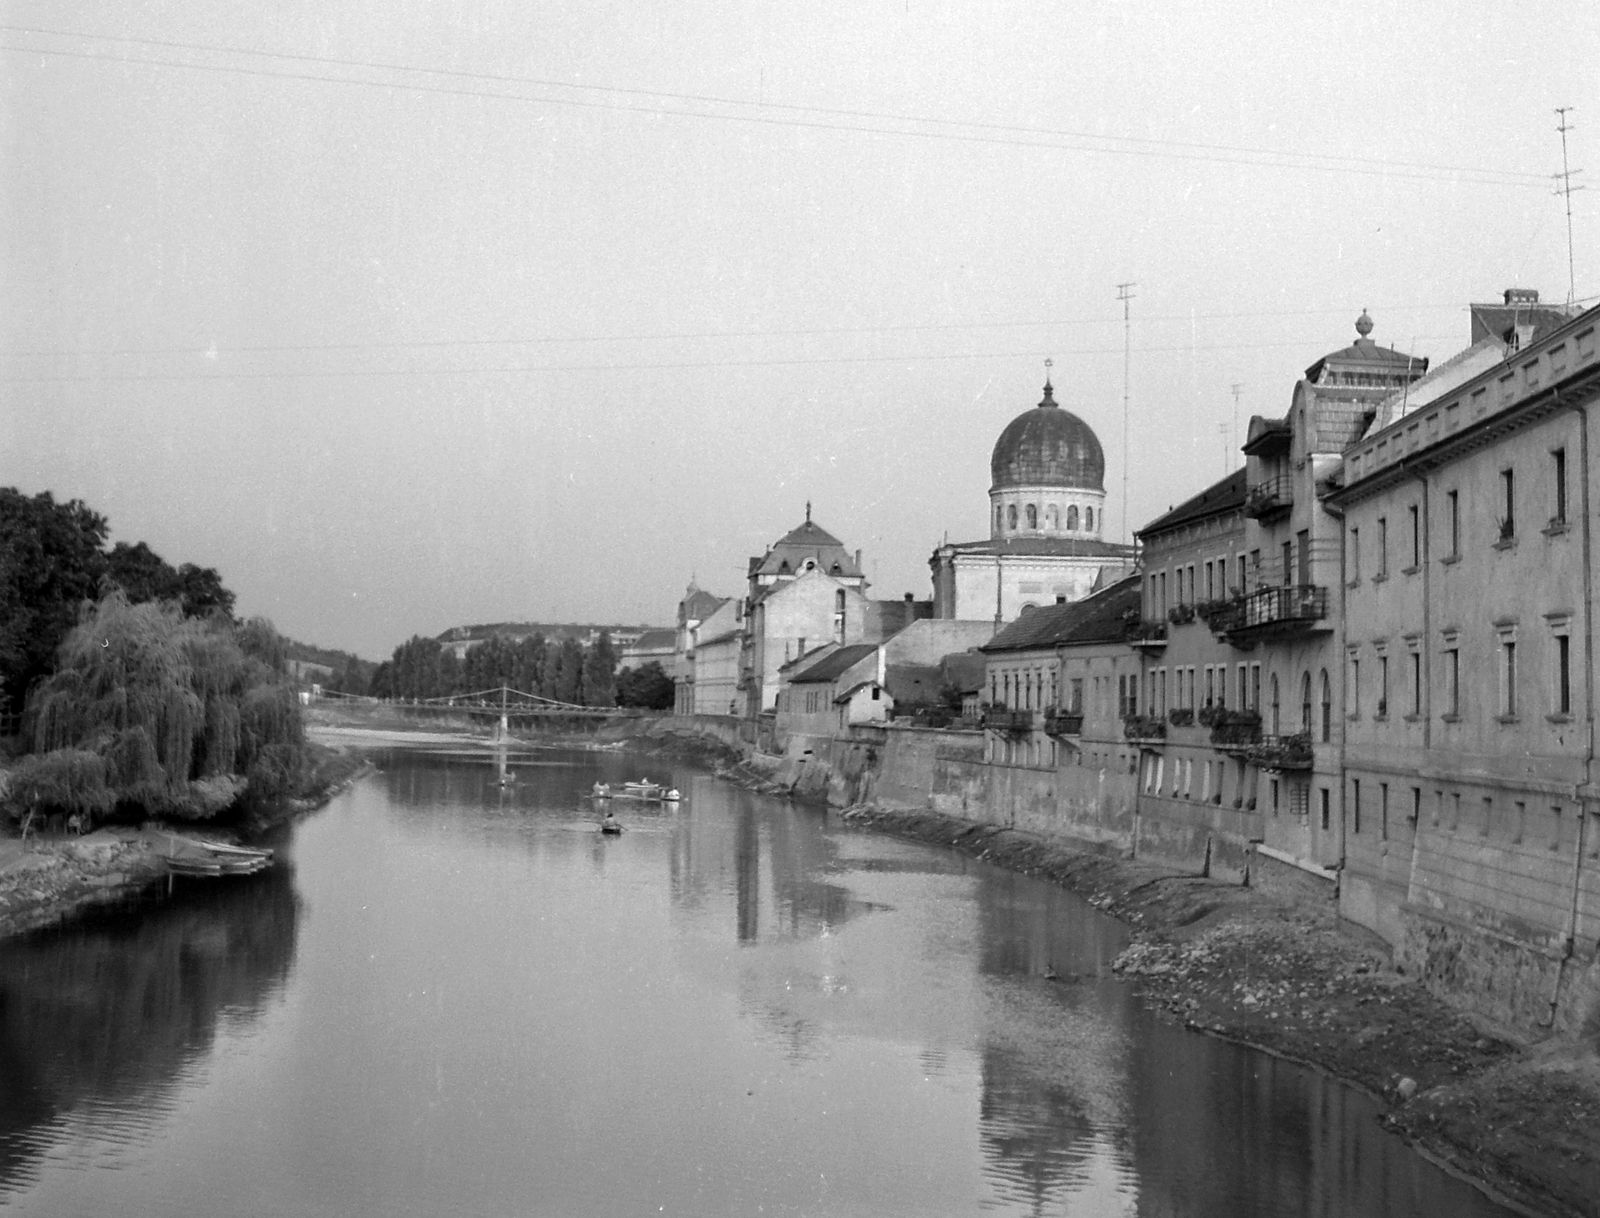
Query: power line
x,y
1125,294
809,331
359,373
1057,139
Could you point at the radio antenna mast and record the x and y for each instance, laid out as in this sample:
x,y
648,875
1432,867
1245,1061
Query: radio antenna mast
x,y
1125,294
1566,188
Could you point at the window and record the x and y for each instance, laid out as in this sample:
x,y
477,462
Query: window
x,y
1355,684
1088,519
1355,555
1163,594
1211,583
1416,682
1011,516
1323,792
1255,687
1508,518
999,518
1211,686
1558,461
1383,686
1563,681
1383,811
1242,573
1276,727
1161,706
1452,682
1355,806
1327,708
1452,501
1033,516
1305,703
1416,536
1416,806
1075,704
1508,676
1383,548
1072,516
1288,564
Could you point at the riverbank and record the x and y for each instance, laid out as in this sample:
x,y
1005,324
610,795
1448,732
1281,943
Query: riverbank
x,y
1282,973
54,877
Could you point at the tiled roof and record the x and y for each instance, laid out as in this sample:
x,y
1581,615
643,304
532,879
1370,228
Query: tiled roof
x,y
700,604
654,640
1225,495
964,670
833,664
1100,618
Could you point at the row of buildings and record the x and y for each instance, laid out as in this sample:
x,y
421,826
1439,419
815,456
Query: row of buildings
x,y
1365,661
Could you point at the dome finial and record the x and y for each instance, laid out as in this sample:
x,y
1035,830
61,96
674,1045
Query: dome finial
x,y
808,511
1364,324
1049,393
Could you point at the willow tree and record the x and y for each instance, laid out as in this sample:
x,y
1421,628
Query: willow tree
x,y
170,716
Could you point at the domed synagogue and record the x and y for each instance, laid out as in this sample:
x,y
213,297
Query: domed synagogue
x,y
1046,512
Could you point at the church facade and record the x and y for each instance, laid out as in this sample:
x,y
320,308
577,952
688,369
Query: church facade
x,y
1046,519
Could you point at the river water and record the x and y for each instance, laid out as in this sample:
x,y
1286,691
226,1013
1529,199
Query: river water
x,y
453,998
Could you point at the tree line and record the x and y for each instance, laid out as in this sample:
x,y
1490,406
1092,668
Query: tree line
x,y
560,669
142,696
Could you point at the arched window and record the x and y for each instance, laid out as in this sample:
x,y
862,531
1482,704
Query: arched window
x,y
1277,727
999,518
1305,704
1052,517
1029,607
783,567
1033,516
1327,708
838,616
1072,516
1088,519
1011,516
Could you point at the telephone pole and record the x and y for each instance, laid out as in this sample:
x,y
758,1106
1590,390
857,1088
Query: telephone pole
x,y
1125,294
1566,188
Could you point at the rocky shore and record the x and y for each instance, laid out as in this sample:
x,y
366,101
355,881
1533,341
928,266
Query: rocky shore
x,y
54,877
1285,975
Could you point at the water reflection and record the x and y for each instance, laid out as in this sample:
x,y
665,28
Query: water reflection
x,y
112,1015
772,1012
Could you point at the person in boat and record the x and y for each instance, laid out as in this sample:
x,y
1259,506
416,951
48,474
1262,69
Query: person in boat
x,y
609,823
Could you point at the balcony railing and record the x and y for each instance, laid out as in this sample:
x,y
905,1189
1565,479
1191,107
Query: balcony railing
x,y
1269,496
1231,730
1147,634
1281,752
1002,719
1144,727
1296,609
1063,723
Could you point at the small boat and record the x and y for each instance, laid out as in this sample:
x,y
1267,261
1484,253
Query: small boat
x,y
643,787
657,796
193,856
611,826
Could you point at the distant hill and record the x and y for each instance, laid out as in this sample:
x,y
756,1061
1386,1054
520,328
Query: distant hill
x,y
322,665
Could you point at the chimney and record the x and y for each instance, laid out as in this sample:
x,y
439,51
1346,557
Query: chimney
x,y
858,560
1522,296
909,598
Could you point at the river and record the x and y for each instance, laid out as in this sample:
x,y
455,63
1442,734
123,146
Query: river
x,y
453,998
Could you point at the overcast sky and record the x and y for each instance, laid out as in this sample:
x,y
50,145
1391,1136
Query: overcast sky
x,y
592,297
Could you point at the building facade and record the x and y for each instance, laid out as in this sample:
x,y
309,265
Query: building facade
x,y
1471,810
1046,518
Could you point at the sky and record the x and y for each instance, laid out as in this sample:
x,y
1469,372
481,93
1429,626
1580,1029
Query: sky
x,y
406,315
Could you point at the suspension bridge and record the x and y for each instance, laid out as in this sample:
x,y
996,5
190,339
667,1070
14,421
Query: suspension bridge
x,y
502,702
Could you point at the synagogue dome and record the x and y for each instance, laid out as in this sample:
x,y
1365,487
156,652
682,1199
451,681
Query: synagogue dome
x,y
1048,446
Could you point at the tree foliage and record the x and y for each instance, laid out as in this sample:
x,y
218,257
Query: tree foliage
x,y
647,687
167,715
564,670
53,565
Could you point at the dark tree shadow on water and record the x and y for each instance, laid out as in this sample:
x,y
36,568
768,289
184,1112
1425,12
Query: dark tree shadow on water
x,y
110,1013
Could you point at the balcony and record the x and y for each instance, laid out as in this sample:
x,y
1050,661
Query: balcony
x,y
1269,497
1267,612
1144,729
1063,723
1281,752
1002,719
1148,636
1232,731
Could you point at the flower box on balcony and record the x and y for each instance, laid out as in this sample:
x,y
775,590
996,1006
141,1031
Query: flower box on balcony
x,y
1144,727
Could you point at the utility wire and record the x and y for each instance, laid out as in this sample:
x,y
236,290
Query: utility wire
x,y
348,373
682,336
1061,141
712,99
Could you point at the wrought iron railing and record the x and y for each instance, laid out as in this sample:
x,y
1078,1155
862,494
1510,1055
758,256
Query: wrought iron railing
x,y
1300,603
1281,752
1274,494
1063,723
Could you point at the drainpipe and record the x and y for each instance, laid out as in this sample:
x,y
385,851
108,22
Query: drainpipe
x,y
1589,717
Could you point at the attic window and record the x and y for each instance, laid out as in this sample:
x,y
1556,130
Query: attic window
x,y
811,564
876,693
783,567
836,569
